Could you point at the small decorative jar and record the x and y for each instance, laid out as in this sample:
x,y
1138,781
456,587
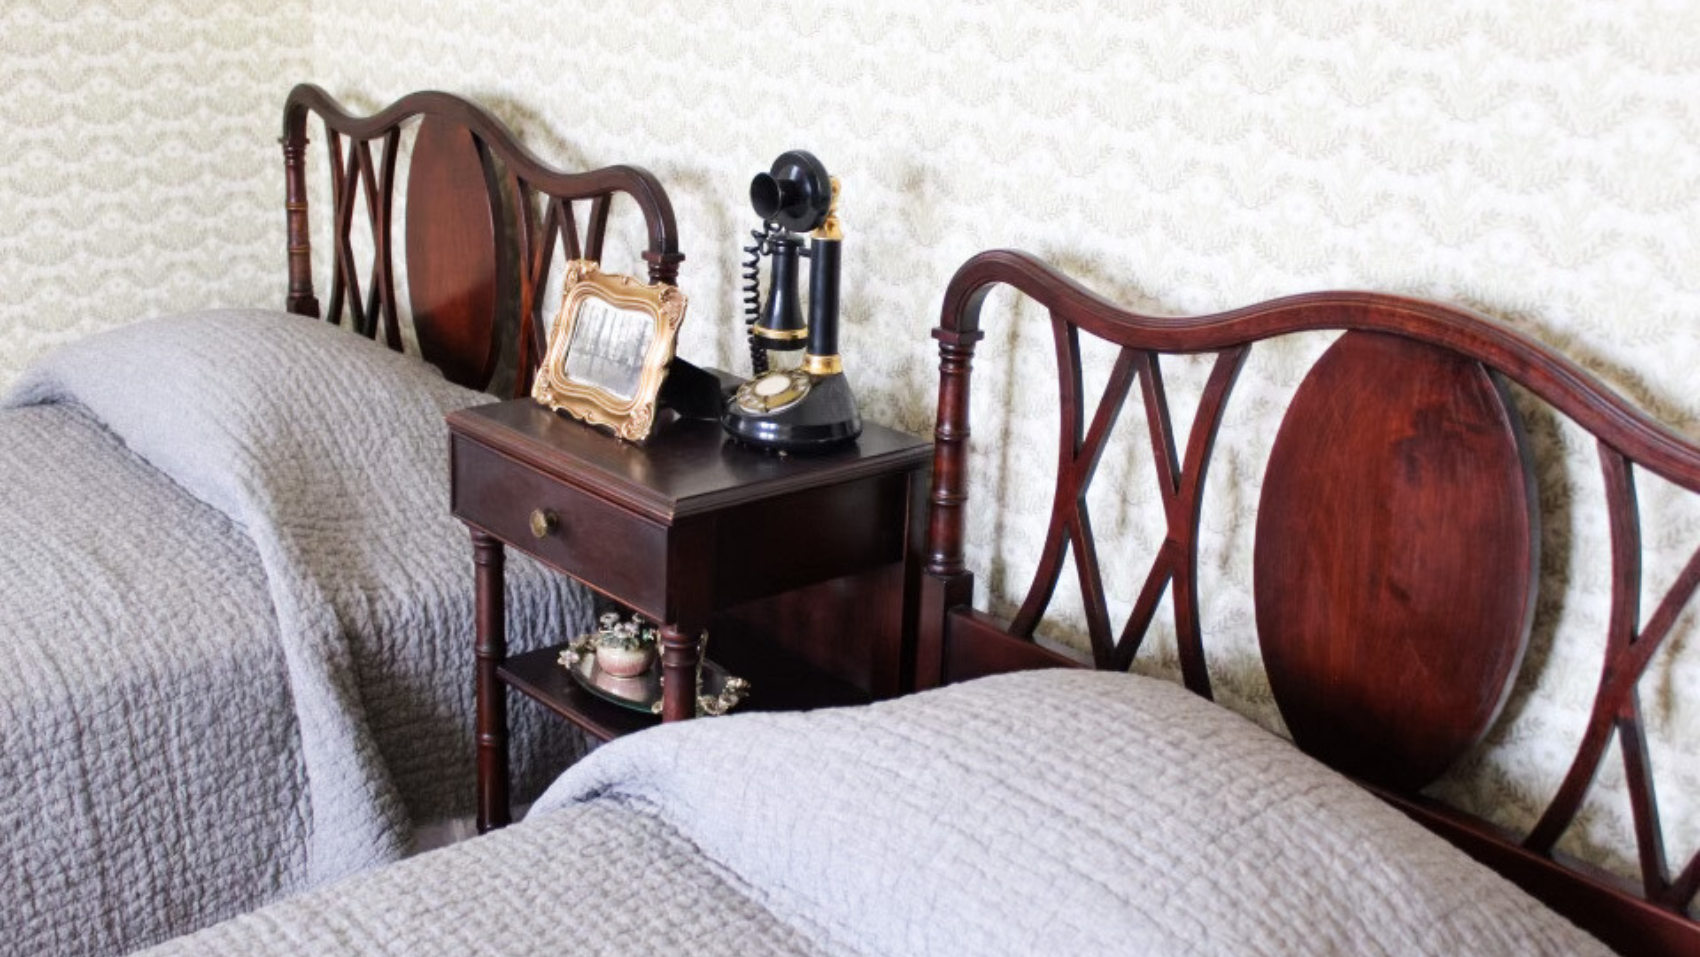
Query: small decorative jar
x,y
624,649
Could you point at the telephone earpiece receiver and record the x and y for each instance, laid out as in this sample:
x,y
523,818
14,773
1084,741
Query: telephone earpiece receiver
x,y
794,405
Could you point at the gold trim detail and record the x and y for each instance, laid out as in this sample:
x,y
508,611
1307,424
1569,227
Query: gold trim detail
x,y
630,419
780,335
751,399
822,365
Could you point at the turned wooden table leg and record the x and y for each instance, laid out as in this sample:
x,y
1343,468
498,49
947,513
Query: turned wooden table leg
x,y
681,653
491,697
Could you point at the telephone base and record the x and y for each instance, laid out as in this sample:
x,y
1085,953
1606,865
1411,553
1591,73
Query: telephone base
x,y
823,419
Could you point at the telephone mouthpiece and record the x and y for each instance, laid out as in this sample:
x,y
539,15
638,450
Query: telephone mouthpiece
x,y
768,195
796,193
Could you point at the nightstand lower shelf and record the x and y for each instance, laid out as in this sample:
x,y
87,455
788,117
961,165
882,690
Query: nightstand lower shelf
x,y
778,682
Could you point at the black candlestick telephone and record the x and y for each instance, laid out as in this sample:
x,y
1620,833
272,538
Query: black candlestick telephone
x,y
808,406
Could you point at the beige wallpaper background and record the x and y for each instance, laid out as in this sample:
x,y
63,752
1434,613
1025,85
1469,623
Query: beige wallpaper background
x,y
1536,160
140,170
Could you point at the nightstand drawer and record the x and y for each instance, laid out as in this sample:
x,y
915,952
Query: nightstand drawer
x,y
596,542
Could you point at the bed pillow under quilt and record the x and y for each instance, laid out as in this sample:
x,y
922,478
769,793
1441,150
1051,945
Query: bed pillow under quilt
x,y
1039,813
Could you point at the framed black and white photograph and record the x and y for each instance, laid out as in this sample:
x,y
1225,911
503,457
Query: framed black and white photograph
x,y
609,348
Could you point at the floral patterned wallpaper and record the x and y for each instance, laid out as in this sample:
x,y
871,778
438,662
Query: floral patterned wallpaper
x,y
140,166
1535,160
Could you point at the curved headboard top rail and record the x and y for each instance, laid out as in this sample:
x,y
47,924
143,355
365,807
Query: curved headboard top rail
x,y
1555,379
460,267
634,181
1399,468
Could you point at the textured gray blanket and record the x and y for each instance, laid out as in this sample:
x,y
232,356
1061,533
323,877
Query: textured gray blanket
x,y
1042,813
150,774
236,624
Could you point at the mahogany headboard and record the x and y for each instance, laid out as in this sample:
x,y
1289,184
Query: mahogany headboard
x,y
468,178
1399,473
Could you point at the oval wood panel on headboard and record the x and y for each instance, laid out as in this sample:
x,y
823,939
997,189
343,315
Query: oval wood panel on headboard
x,y
453,256
1395,558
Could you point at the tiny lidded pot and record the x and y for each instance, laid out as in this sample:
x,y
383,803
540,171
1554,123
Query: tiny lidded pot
x,y
624,649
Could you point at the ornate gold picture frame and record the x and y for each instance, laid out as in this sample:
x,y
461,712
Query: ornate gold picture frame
x,y
609,347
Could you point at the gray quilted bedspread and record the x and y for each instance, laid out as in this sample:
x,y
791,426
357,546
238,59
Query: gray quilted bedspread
x,y
235,625
1043,813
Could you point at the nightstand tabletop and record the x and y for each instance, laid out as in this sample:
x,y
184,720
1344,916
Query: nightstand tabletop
x,y
688,466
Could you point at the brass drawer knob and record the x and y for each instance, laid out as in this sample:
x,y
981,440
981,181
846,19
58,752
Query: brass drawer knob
x,y
543,522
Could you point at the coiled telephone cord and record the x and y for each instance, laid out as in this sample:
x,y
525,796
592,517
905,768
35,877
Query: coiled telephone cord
x,y
752,291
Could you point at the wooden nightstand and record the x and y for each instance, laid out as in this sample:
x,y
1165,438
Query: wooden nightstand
x,y
797,566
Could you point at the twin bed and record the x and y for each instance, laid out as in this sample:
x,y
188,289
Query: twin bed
x,y
245,674
238,614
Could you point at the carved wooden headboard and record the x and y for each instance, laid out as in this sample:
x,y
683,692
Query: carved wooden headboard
x,y
1396,554
483,219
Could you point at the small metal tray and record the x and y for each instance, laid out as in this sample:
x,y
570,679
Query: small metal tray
x,y
717,691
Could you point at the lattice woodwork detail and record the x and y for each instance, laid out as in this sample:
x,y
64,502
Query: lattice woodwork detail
x,y
539,237
464,341
1617,706
353,175
1180,484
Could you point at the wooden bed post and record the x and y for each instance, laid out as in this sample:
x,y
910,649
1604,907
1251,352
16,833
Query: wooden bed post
x,y
663,266
301,299
946,582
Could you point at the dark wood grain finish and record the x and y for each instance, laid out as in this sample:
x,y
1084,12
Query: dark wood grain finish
x,y
955,642
851,628
454,261
354,181
1395,558
491,719
1550,376
1179,484
859,626
681,654
502,173
693,470
1617,706
795,567
838,529
950,451
539,676
498,494
977,645
767,524
300,299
